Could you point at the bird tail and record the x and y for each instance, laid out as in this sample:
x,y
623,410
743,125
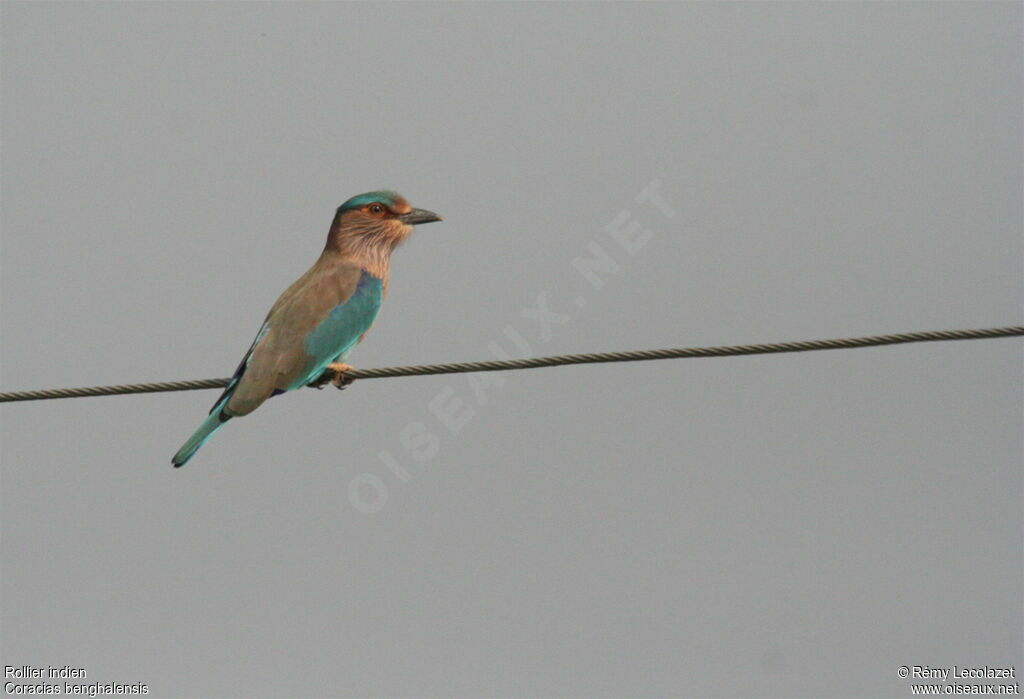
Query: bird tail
x,y
213,422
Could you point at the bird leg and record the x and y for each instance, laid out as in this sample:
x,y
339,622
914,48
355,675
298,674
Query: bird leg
x,y
336,373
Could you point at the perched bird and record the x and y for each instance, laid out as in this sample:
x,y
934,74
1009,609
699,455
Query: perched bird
x,y
316,322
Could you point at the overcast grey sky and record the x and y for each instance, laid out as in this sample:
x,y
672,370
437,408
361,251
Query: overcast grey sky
x,y
797,525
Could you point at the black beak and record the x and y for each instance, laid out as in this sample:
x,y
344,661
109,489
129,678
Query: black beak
x,y
418,216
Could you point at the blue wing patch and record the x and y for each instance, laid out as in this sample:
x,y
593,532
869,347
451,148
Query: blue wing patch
x,y
339,332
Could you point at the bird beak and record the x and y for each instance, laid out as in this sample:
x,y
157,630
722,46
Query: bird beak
x,y
418,216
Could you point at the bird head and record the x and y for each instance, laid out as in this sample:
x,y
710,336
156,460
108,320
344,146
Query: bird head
x,y
377,218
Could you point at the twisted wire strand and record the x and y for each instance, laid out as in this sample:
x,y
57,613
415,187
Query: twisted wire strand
x,y
557,360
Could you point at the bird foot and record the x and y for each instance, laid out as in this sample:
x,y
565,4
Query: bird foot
x,y
336,374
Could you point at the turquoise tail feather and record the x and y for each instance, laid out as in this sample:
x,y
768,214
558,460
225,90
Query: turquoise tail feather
x,y
213,422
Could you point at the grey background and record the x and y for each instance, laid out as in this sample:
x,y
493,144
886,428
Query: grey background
x,y
773,526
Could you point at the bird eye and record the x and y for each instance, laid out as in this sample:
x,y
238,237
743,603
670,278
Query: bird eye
x,y
376,208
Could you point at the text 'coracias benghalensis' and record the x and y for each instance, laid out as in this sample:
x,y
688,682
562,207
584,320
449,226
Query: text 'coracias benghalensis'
x,y
319,319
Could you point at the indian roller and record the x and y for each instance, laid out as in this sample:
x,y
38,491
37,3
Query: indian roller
x,y
313,326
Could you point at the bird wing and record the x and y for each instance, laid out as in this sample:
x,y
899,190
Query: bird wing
x,y
242,366
318,319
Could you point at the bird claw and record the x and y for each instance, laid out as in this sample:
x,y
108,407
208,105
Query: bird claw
x,y
336,374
